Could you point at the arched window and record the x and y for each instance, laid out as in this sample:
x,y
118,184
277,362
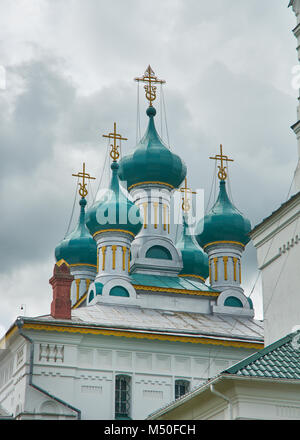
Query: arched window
x,y
119,291
232,301
158,252
122,397
181,387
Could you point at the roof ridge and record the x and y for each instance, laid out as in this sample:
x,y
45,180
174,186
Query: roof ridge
x,y
260,354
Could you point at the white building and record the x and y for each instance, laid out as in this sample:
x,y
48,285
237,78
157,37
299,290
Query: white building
x,y
266,384
133,324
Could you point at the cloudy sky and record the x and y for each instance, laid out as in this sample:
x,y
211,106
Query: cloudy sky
x,y
69,70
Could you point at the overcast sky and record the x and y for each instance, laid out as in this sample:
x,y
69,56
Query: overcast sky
x,y
69,68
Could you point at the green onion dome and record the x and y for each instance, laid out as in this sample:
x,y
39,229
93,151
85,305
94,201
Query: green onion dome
x,y
114,211
224,222
78,247
152,161
195,261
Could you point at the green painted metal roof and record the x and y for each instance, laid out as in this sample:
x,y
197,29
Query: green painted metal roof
x,y
280,360
169,282
151,160
223,222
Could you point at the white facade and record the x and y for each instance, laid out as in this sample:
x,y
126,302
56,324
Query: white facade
x,y
79,371
296,127
239,398
277,241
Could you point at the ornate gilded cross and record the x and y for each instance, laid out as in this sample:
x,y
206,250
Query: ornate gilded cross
x,y
82,190
222,169
114,153
150,78
185,201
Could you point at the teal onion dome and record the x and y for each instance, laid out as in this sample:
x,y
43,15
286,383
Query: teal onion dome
x,y
114,211
152,161
78,247
224,222
195,261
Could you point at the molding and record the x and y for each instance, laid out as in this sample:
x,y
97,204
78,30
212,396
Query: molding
x,y
141,335
147,183
83,264
223,242
113,230
170,290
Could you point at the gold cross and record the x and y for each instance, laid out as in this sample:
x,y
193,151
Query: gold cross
x,y
222,169
82,190
185,202
114,154
150,78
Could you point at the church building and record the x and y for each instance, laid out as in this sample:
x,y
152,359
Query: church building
x,y
137,319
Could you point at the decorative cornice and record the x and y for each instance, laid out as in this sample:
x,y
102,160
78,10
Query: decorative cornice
x,y
83,264
171,290
193,276
223,242
143,335
113,230
147,183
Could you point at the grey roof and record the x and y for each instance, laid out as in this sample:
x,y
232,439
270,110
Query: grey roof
x,y
180,323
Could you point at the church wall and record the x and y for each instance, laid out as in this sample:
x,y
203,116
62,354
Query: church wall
x,y
278,255
84,376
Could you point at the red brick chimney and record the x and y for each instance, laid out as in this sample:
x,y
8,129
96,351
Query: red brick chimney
x,y
61,285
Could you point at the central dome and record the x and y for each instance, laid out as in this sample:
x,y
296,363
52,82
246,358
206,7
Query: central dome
x,y
152,161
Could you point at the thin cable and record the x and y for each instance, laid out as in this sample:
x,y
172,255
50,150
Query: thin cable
x,y
138,119
165,115
161,113
103,169
211,188
71,218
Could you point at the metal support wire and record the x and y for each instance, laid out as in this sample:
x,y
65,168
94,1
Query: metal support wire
x,y
138,119
102,171
71,218
212,187
165,115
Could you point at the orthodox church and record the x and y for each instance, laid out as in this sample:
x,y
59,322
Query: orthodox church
x,y
137,319
266,384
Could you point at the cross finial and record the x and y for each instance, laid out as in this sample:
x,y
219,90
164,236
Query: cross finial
x,y
222,174
114,153
185,201
150,78
82,186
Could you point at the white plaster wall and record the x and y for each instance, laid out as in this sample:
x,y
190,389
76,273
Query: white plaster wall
x,y
85,377
278,255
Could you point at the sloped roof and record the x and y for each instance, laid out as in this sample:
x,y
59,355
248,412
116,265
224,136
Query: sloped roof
x,y
281,207
280,360
130,318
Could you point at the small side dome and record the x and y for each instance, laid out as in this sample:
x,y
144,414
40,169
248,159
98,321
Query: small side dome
x,y
114,211
152,161
195,261
78,247
224,222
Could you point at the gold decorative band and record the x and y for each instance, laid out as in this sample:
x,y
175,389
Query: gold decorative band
x,y
194,276
113,230
170,290
83,264
225,242
146,183
144,335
